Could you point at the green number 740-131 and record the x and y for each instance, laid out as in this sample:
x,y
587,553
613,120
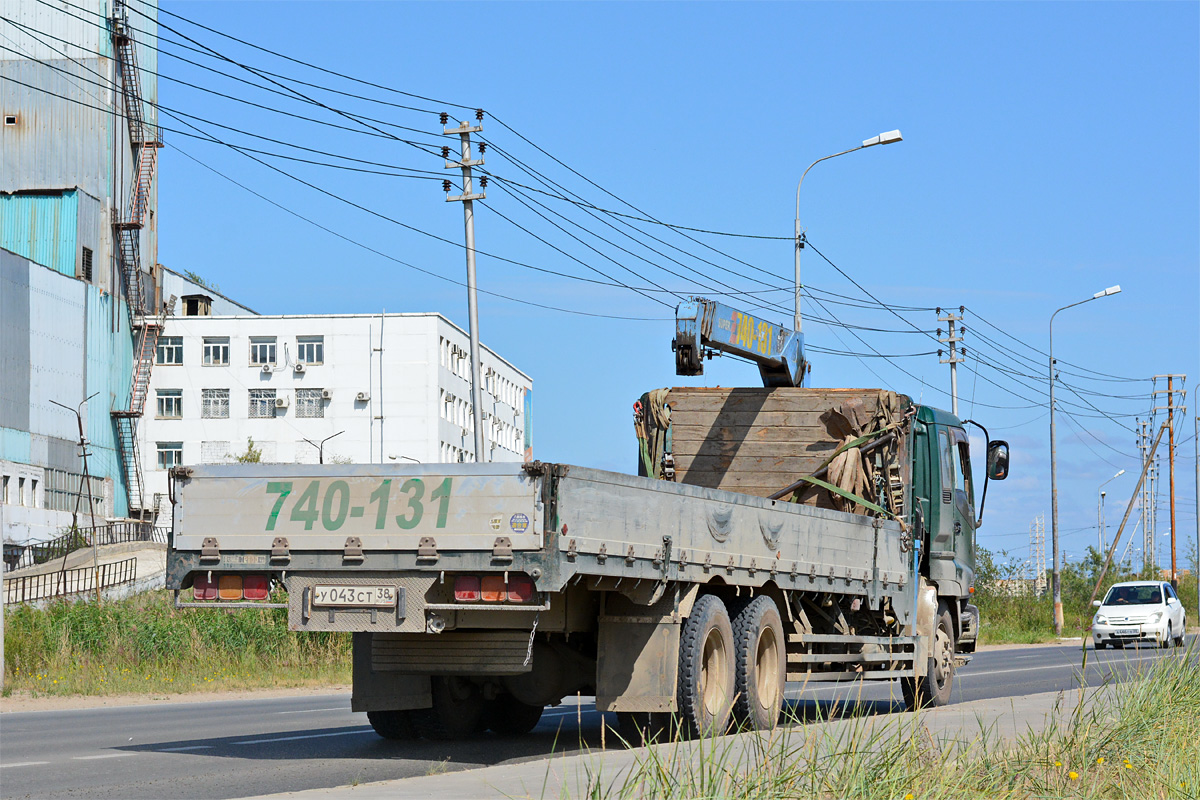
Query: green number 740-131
x,y
333,506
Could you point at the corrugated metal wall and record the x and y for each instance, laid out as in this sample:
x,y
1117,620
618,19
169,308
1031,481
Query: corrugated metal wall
x,y
43,228
109,370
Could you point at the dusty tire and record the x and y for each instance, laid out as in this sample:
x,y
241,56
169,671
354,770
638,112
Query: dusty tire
x,y
508,716
760,664
935,688
706,669
456,712
395,725
639,728
1101,645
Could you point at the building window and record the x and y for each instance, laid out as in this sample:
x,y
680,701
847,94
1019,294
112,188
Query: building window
x,y
216,351
262,403
20,491
262,350
214,403
170,403
170,350
85,269
309,403
170,454
5,497
310,349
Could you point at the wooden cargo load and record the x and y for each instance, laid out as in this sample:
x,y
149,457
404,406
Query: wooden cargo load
x,y
759,440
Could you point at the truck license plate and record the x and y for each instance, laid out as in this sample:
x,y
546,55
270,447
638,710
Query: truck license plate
x,y
1125,632
355,596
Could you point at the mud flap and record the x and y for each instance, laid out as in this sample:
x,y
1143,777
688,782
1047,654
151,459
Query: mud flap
x,y
384,691
927,613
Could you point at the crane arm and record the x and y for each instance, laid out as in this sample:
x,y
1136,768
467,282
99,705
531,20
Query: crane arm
x,y
703,326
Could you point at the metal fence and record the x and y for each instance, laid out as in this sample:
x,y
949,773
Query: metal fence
x,y
20,556
67,582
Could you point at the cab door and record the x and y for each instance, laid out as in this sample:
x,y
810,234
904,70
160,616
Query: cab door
x,y
952,544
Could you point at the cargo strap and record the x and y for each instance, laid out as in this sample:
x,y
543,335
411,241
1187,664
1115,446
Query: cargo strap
x,y
851,496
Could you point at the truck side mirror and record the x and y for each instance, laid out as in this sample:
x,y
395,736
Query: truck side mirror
x,y
997,460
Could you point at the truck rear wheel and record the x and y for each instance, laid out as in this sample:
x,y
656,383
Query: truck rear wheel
x,y
392,724
706,669
457,710
638,728
760,668
508,716
934,688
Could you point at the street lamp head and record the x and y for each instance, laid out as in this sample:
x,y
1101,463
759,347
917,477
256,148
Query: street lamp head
x,y
1110,290
884,138
1119,474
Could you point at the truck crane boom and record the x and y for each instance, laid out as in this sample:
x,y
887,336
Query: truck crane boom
x,y
704,327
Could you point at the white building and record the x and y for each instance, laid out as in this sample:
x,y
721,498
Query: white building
x,y
373,387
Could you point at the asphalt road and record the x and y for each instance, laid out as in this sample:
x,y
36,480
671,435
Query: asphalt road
x,y
245,748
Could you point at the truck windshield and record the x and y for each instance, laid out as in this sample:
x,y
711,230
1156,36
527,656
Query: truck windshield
x,y
1133,596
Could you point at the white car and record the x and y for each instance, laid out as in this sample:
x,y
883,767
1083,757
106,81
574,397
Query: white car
x,y
1139,611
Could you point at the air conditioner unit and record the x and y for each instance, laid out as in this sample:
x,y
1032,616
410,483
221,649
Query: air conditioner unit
x,y
266,369
281,402
299,369
362,397
326,394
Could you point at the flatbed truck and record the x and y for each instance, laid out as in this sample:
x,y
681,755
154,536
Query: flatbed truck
x,y
776,534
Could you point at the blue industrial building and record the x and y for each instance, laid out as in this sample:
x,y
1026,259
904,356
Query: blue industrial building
x,y
79,305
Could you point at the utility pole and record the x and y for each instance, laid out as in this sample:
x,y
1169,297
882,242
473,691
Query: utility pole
x,y
1171,408
467,198
1037,553
952,339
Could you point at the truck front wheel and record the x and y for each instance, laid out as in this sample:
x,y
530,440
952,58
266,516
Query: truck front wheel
x,y
934,688
760,671
706,668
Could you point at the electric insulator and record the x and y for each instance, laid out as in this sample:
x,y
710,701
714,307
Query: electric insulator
x,y
483,182
445,151
446,186
444,117
482,148
479,115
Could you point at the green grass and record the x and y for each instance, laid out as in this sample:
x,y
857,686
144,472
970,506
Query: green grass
x,y
144,644
1137,739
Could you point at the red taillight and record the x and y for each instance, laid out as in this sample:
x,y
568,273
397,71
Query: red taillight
x,y
493,588
520,589
255,587
229,587
204,588
466,589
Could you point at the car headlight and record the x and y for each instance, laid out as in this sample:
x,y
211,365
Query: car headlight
x,y
1100,620
1157,616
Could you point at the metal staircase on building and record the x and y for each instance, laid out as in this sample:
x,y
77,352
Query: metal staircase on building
x,y
145,324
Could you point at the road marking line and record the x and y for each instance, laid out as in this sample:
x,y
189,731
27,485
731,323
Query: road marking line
x,y
184,749
305,736
106,755
1092,663
24,764
312,710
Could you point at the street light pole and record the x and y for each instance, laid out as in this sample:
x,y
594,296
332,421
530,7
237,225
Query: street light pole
x,y
883,138
1100,509
1056,575
321,447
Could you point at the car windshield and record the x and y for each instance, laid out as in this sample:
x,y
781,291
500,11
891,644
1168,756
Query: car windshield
x,y
1133,596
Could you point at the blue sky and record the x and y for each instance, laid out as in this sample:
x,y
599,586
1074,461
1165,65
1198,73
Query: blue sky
x,y
1050,150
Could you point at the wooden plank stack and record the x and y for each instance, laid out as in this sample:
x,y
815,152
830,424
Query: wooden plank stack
x,y
755,441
